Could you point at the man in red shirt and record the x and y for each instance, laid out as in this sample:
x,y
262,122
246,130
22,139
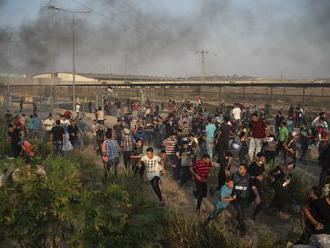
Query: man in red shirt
x,y
200,171
258,133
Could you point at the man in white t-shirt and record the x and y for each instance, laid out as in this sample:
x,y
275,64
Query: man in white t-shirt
x,y
78,109
100,116
154,166
237,113
49,123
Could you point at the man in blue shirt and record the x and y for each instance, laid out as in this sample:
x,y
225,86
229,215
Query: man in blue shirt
x,y
110,153
224,197
210,131
36,126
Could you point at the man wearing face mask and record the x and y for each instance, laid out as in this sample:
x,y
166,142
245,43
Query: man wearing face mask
x,y
257,175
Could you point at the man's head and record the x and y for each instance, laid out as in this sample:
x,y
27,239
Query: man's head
x,y
108,134
58,122
185,143
261,158
163,154
206,158
230,182
139,142
150,152
290,165
228,155
242,169
255,117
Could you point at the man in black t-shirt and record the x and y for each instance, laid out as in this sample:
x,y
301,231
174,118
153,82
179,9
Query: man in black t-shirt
x,y
222,138
57,133
241,191
257,174
136,155
320,215
14,134
325,165
224,168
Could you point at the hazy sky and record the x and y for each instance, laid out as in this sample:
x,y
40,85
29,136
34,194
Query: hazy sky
x,y
161,37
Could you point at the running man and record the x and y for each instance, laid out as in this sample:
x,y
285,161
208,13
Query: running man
x,y
154,166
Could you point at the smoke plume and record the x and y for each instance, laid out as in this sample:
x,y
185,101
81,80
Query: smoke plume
x,y
260,38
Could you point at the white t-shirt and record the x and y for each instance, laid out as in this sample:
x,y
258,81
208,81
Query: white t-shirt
x,y
153,166
49,124
77,108
100,115
237,113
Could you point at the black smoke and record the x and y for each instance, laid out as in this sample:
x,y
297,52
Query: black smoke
x,y
261,38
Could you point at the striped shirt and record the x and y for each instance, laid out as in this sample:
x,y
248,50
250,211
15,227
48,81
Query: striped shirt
x,y
201,168
112,148
170,144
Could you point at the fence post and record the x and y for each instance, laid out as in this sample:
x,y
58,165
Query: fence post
x,y
304,93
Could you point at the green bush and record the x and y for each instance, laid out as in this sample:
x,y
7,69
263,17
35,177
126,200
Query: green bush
x,y
186,231
59,209
299,186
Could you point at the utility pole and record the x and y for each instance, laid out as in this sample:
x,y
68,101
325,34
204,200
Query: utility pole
x,y
125,66
73,67
52,98
202,54
73,13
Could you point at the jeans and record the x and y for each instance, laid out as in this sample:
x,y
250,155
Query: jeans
x,y
210,147
255,146
16,150
241,206
221,177
139,169
57,146
214,214
222,147
155,186
259,206
201,192
324,175
185,174
127,159
304,148
111,163
279,200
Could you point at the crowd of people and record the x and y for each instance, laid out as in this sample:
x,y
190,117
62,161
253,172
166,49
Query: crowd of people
x,y
247,145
